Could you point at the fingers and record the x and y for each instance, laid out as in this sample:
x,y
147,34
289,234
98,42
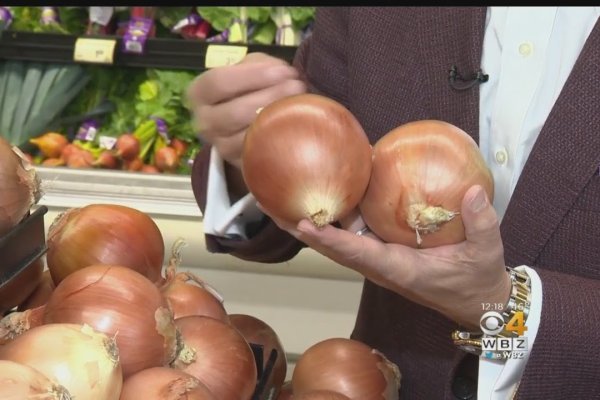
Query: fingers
x,y
480,218
230,147
237,114
221,84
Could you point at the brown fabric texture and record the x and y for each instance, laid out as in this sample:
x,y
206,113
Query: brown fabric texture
x,y
390,66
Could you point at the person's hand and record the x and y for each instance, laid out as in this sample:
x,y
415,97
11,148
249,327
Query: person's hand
x,y
225,100
455,280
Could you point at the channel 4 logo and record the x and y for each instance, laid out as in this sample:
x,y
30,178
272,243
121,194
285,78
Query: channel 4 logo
x,y
494,347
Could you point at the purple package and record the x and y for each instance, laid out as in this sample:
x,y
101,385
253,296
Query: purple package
x,y
219,38
161,127
50,15
5,16
136,34
87,131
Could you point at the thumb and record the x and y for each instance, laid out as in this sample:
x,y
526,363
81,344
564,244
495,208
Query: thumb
x,y
479,217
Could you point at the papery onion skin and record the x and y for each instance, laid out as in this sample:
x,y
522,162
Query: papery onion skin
x,y
19,185
82,360
19,381
161,383
42,292
218,355
348,367
20,287
321,395
257,331
306,156
104,234
421,164
18,322
119,302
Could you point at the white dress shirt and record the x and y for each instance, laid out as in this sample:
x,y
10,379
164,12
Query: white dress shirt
x,y
535,49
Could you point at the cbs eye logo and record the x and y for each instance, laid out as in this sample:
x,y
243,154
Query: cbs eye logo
x,y
491,323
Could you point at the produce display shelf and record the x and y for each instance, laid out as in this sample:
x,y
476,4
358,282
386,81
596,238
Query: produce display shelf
x,y
159,52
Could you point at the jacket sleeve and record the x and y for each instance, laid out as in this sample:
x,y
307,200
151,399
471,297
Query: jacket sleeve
x,y
564,362
321,62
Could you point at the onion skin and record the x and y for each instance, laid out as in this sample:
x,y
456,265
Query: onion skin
x,y
218,355
259,332
20,287
418,165
348,367
162,383
82,360
42,292
19,185
119,302
51,144
104,234
16,323
18,381
321,395
306,156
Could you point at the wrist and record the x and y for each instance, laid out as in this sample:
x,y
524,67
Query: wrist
x,y
496,299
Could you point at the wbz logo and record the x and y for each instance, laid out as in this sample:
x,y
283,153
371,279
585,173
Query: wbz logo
x,y
498,347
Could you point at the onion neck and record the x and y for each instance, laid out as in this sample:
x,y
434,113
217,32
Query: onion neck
x,y
186,356
60,393
425,219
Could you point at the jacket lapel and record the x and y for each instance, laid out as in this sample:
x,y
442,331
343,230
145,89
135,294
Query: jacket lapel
x,y
563,159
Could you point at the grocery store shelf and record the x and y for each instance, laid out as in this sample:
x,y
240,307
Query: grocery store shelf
x,y
159,53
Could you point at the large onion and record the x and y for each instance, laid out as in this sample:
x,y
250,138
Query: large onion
x,y
187,294
119,302
321,395
104,234
348,367
257,331
82,360
218,355
306,156
421,172
18,382
162,383
19,186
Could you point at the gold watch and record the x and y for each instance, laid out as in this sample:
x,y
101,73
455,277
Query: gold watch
x,y
519,301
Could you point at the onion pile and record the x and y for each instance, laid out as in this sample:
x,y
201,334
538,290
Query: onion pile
x,y
19,185
421,172
306,156
104,234
83,361
347,367
18,381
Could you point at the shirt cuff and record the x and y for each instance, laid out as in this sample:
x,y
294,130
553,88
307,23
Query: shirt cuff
x,y
498,379
221,218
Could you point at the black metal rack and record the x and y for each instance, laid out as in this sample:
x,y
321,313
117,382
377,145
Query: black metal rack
x,y
159,52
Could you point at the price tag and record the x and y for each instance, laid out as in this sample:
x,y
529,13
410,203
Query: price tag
x,y
218,55
99,51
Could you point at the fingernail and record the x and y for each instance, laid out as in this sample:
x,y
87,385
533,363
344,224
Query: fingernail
x,y
479,201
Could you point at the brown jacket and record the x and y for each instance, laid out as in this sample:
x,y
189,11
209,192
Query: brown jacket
x,y
390,66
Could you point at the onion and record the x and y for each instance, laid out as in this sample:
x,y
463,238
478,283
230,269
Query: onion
x,y
104,234
306,156
19,185
218,355
16,323
20,286
259,332
149,169
348,367
119,302
51,144
321,395
133,165
180,146
106,159
53,162
82,360
421,172
18,382
166,159
42,292
80,159
162,383
128,147
188,295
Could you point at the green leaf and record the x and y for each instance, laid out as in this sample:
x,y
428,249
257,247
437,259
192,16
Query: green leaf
x,y
15,75
259,14
302,16
50,74
31,82
219,17
265,33
148,90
